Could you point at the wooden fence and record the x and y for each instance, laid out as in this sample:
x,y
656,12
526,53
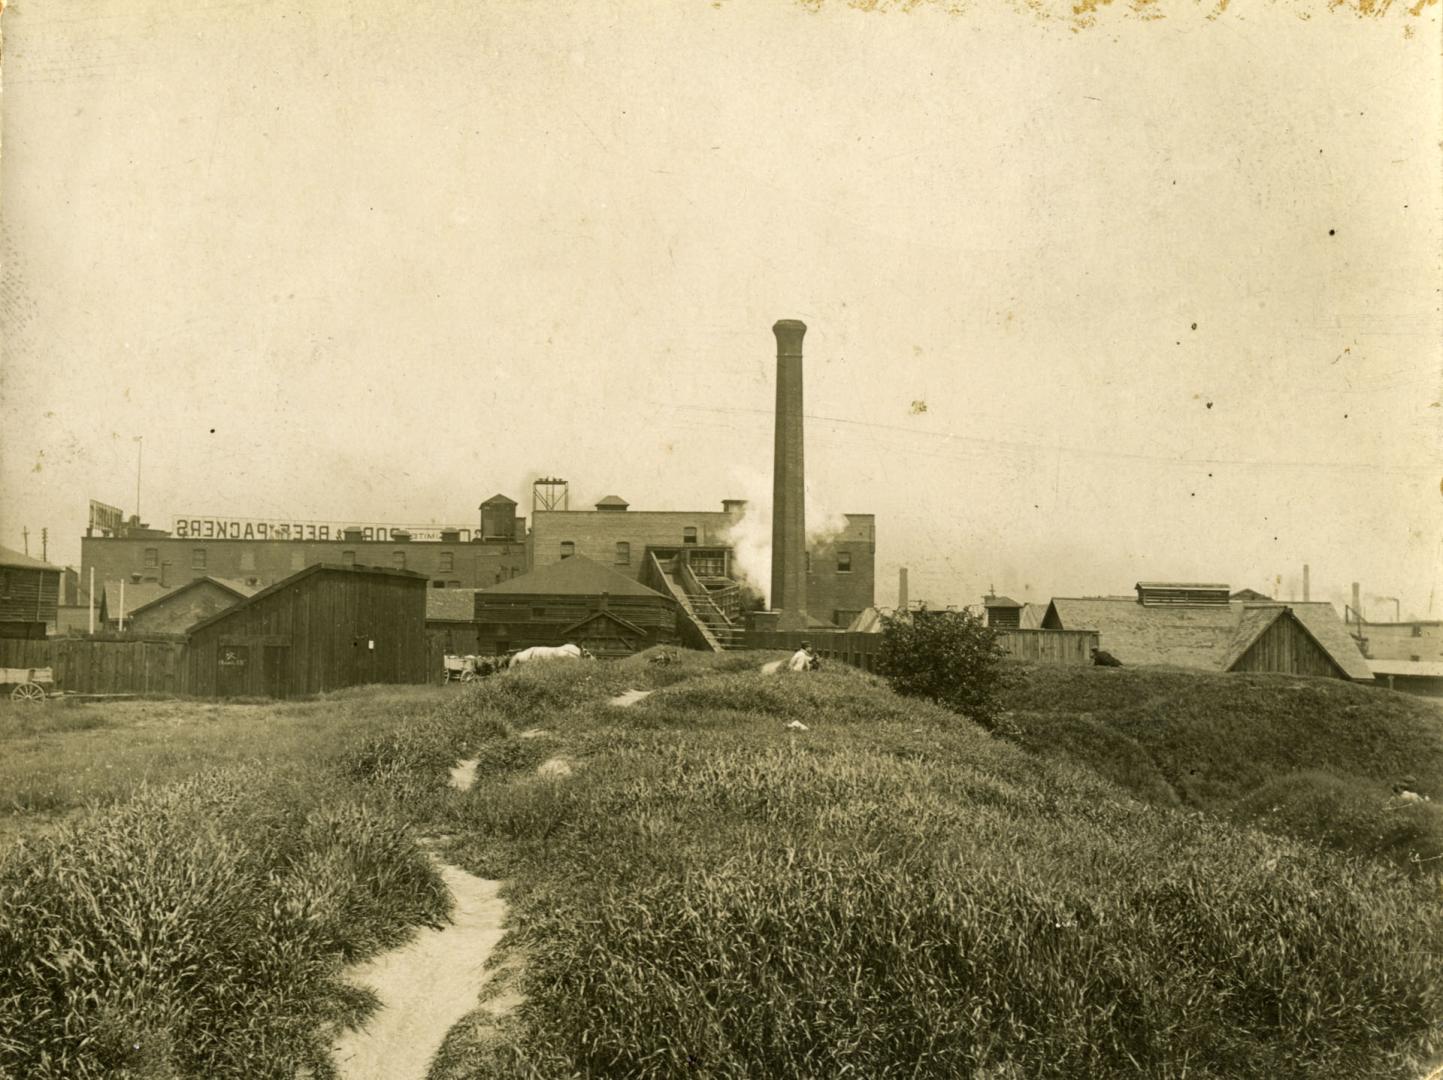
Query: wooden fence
x,y
856,647
1049,646
860,648
105,665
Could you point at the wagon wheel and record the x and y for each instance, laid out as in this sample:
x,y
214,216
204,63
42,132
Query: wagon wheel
x,y
28,691
468,676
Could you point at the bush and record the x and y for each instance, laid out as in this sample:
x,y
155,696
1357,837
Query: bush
x,y
950,657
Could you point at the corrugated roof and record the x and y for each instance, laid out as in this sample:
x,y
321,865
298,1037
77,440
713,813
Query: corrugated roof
x,y
574,576
450,605
20,560
1209,636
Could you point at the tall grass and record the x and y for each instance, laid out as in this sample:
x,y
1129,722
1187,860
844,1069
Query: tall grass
x,y
199,928
896,893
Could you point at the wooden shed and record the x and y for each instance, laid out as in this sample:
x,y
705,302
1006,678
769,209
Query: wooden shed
x,y
29,595
575,600
320,629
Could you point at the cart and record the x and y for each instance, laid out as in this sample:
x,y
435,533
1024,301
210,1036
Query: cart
x,y
28,684
459,668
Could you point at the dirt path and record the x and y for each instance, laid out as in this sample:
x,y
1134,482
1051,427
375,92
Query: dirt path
x,y
425,986
631,697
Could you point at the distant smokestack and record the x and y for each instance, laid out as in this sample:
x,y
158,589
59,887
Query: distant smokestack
x,y
902,589
1307,595
1357,602
789,523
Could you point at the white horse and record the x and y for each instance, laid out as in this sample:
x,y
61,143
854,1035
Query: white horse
x,y
550,652
801,660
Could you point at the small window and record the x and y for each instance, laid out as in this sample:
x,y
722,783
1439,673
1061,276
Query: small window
x,y
844,562
688,535
1417,630
348,558
248,559
197,558
438,584
398,560
152,558
453,584
448,561
568,548
623,553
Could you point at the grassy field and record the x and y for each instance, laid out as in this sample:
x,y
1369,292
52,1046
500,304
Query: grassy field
x,y
712,891
893,892
62,756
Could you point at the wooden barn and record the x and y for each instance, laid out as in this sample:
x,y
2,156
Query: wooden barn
x,y
320,629
29,595
575,600
1202,627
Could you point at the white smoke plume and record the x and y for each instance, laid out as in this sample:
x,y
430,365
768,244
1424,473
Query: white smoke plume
x,y
751,536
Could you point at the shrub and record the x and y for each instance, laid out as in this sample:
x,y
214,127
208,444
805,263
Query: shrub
x,y
950,657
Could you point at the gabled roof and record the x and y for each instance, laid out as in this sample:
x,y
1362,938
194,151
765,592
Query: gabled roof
x,y
301,575
239,589
18,560
138,594
1252,596
1000,602
574,576
450,605
611,616
1209,636
613,500
498,498
1032,616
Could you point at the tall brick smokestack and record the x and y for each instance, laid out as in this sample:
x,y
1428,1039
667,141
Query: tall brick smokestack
x,y
789,522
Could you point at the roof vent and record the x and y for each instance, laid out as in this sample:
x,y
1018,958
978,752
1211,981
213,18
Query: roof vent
x,y
1158,593
614,504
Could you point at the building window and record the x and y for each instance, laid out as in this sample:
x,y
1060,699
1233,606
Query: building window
x,y
1417,630
448,561
152,558
438,584
197,558
453,584
688,535
248,559
844,562
398,560
348,558
623,553
568,548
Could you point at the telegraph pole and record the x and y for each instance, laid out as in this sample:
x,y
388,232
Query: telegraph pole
x,y
139,453
25,535
44,545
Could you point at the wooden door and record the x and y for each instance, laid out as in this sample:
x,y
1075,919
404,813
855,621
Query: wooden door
x,y
277,669
231,665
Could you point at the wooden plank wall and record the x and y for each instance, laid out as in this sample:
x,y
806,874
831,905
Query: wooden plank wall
x,y
104,666
1049,646
1286,647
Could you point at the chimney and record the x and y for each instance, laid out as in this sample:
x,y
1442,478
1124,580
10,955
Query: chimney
x,y
1357,603
1306,583
734,507
789,524
902,589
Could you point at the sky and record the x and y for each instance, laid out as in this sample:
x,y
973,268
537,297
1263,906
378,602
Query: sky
x,y
1146,292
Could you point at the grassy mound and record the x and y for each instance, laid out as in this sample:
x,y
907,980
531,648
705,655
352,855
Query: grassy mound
x,y
1314,759
895,892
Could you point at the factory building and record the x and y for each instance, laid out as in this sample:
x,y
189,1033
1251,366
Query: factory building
x,y
260,553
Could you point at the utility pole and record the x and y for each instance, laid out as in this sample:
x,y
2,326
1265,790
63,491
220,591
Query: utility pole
x,y
25,535
139,453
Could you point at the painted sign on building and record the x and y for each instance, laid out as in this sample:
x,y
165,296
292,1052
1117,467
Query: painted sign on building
x,y
229,528
108,519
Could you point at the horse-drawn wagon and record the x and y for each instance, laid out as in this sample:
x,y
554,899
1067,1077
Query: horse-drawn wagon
x,y
27,684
